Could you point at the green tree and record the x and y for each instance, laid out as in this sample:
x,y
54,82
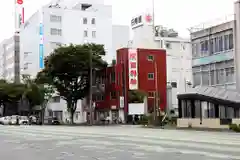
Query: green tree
x,y
33,93
136,96
68,68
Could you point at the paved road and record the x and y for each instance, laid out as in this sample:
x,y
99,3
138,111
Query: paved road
x,y
114,143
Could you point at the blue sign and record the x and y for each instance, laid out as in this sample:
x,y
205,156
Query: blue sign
x,y
41,57
41,29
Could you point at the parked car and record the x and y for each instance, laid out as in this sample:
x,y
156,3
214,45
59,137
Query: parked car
x,y
23,120
55,121
5,120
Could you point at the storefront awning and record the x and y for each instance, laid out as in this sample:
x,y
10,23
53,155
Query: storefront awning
x,y
214,93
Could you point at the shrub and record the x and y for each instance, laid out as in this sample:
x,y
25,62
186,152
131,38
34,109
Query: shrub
x,y
234,127
144,120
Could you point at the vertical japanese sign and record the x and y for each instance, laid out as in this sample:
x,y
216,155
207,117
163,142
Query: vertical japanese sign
x,y
19,14
133,69
41,39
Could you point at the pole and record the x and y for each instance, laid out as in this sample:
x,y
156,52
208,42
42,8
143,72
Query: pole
x,y
156,87
153,17
90,89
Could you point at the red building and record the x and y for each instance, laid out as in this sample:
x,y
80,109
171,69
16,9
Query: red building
x,y
135,69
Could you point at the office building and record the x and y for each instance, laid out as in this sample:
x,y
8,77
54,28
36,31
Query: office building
x,y
9,59
178,52
135,69
213,55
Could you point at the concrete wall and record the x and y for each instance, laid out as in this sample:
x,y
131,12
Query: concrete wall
x,y
206,123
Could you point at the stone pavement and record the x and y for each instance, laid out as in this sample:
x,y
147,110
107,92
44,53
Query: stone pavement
x,y
114,142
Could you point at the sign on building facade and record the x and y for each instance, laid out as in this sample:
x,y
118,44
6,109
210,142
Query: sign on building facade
x,y
19,14
133,69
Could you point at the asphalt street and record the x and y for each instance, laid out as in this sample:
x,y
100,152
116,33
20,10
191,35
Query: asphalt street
x,y
114,143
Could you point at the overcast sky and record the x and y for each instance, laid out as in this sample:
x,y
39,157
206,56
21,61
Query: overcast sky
x,y
177,14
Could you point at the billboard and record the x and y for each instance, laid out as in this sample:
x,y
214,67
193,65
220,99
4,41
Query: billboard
x,y
41,41
19,14
133,69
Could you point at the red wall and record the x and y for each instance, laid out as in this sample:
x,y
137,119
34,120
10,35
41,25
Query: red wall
x,y
144,67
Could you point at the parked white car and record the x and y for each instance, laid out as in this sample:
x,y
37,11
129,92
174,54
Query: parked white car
x,y
13,120
5,120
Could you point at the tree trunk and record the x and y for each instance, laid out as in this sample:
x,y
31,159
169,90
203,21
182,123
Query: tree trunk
x,y
72,117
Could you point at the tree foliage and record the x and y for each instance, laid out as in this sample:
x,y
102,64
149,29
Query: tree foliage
x,y
136,96
68,68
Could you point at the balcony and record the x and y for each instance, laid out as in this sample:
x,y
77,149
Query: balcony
x,y
223,56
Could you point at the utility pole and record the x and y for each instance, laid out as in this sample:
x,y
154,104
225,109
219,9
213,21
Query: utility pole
x,y
90,89
156,93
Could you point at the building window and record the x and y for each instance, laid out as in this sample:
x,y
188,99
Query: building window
x,y
55,18
113,78
229,75
85,34
93,34
151,94
93,21
205,78
150,76
211,47
84,20
216,44
220,44
56,32
168,45
174,84
226,42
113,95
56,99
150,58
231,41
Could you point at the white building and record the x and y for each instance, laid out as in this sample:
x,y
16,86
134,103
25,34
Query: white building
x,y
64,23
9,59
179,59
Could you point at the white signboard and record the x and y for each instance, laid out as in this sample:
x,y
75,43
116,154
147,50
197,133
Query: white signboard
x,y
19,14
133,69
143,19
121,101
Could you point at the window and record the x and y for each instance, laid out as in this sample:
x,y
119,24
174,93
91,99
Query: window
x,y
211,47
93,21
55,18
231,41
220,76
197,78
84,20
85,34
220,44
202,46
113,78
205,78
56,32
150,76
216,44
151,94
226,42
93,34
150,58
168,45
56,99
206,45
113,95
174,84
229,75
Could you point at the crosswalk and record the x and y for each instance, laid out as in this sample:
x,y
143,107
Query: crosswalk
x,y
215,145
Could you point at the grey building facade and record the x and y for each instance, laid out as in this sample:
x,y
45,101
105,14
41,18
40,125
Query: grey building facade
x,y
10,59
213,56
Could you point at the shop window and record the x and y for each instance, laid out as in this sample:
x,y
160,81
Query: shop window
x,y
113,95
